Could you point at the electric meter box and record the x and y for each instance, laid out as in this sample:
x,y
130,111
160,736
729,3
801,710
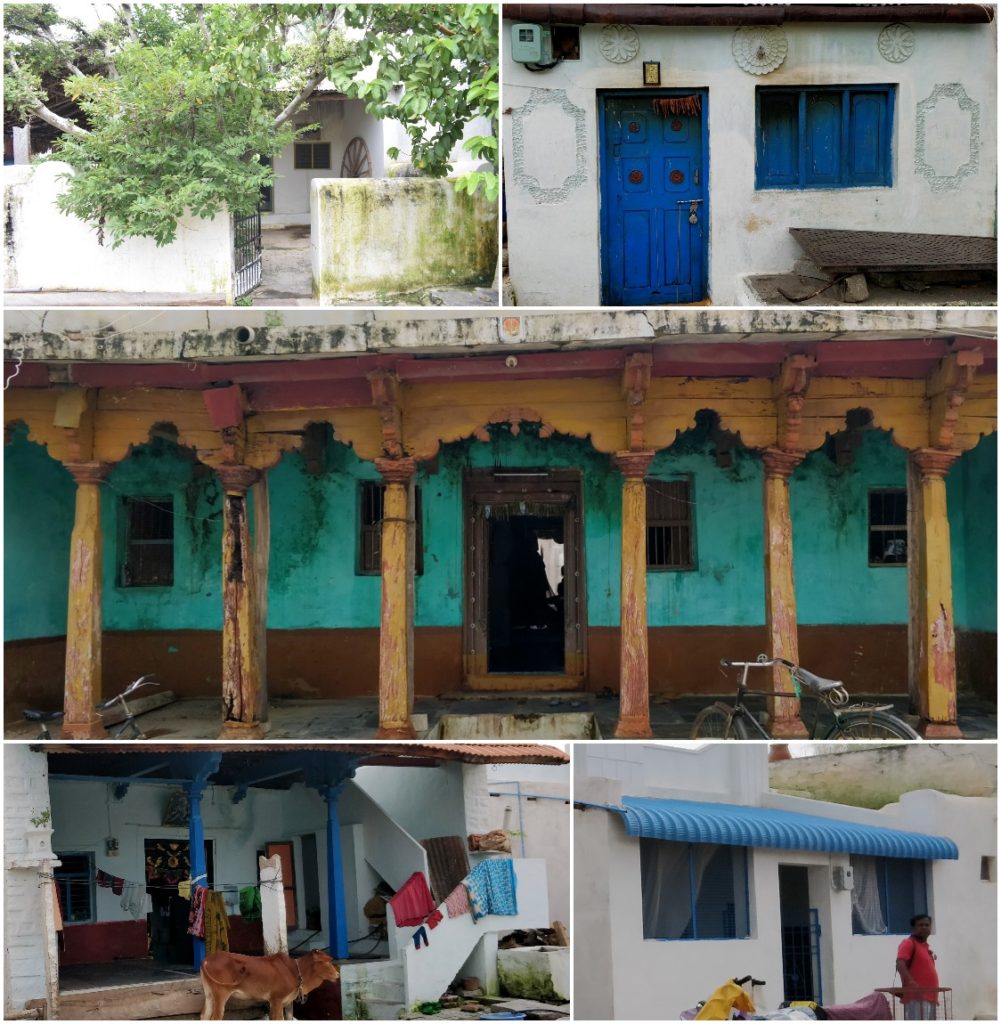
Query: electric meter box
x,y
531,44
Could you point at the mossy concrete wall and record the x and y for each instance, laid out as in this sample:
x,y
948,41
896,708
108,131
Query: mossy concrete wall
x,y
385,236
541,973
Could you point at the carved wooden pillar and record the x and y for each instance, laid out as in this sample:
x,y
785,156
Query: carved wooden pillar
x,y
396,627
930,627
780,590
83,620
241,669
634,670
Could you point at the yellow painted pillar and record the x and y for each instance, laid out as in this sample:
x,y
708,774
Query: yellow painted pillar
x,y
931,629
396,678
241,669
83,620
634,667
780,589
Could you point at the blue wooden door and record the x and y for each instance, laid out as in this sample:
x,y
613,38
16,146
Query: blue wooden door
x,y
654,203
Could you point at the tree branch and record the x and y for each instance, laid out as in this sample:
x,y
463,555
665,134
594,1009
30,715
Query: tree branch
x,y
50,116
305,92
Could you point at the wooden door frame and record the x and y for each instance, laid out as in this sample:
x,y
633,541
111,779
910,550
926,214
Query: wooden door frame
x,y
535,483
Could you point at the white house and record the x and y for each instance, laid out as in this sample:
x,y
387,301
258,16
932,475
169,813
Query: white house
x,y
660,154
689,871
124,833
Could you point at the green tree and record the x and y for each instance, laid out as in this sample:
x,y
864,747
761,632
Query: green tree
x,y
182,106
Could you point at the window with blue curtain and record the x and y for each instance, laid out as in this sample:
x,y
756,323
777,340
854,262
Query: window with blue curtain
x,y
693,890
899,884
829,137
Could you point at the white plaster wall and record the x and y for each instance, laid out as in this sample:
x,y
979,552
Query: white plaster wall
x,y
340,121
427,802
29,953
544,822
554,246
613,971
51,251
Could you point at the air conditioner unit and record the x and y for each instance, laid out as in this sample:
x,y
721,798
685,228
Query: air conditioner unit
x,y
531,44
843,879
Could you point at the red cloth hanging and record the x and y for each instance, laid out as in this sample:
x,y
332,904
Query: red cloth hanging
x,y
413,904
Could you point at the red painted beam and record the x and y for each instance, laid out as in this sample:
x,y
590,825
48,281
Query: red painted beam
x,y
28,375
317,394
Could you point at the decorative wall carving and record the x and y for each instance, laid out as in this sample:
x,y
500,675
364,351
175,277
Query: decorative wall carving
x,y
896,42
619,43
947,144
549,146
758,49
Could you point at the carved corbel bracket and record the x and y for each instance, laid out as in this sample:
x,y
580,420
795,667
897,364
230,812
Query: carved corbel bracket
x,y
790,393
635,384
385,387
947,389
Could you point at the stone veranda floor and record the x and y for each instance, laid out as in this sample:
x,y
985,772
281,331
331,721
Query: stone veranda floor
x,y
356,718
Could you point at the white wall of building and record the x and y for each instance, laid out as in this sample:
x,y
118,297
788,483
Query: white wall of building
x,y
427,802
554,245
614,969
48,250
340,121
30,964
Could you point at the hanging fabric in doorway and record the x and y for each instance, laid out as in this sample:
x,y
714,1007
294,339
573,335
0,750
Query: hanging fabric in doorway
x,y
678,106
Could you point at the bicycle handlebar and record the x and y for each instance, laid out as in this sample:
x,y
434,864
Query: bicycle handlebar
x,y
762,662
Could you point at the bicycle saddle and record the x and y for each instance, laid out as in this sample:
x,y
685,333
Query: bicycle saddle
x,y
42,716
817,683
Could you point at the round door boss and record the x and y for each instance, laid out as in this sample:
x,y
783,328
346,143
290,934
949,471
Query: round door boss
x,y
635,177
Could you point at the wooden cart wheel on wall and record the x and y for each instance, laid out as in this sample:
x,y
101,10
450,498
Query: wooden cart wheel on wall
x,y
356,163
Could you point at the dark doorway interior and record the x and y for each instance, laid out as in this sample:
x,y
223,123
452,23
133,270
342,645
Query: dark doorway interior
x,y
311,882
525,597
797,945
167,863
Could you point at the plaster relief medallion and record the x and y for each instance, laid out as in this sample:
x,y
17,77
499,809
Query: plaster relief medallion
x,y
896,42
947,143
549,146
619,43
758,49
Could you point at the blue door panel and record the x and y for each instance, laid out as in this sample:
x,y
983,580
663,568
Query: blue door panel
x,y
868,137
652,169
823,138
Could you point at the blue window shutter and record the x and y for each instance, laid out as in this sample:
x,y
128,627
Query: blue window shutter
x,y
823,138
778,139
870,148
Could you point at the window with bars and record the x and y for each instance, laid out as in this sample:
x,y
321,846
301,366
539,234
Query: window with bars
x,y
311,156
74,880
370,500
902,889
693,890
888,527
669,525
147,542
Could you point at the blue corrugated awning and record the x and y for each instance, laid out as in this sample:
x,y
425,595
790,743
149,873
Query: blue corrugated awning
x,y
685,821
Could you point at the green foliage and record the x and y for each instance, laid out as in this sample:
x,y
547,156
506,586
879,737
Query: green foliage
x,y
184,103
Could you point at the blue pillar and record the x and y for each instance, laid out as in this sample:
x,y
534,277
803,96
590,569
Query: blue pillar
x,y
337,921
196,850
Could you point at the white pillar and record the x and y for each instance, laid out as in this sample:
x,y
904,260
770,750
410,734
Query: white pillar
x,y
273,905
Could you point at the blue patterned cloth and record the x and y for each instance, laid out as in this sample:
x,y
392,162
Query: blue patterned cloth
x,y
492,888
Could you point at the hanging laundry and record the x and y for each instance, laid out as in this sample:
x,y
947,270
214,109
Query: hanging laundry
x,y
216,923
104,880
184,889
457,901
196,916
412,903
492,888
135,900
418,935
250,903
117,885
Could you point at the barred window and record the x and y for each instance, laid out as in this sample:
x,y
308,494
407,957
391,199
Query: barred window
x,y
147,553
669,532
370,501
74,880
888,527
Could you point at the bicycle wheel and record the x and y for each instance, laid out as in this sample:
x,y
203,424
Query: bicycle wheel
x,y
716,722
870,725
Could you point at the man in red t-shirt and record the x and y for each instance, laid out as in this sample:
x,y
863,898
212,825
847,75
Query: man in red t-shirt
x,y
916,967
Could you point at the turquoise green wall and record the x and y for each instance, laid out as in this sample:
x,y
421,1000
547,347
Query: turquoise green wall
x,y
834,582
726,585
37,523
195,600
972,492
314,527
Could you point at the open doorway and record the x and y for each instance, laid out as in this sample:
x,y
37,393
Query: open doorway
x,y
524,584
800,935
168,863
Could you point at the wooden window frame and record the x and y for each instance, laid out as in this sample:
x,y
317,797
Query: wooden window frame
x,y
847,178
299,151
374,529
691,563
885,527
127,542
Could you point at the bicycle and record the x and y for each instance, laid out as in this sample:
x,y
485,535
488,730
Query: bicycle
x,y
128,724
858,721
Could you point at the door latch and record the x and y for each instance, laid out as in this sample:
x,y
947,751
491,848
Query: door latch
x,y
693,209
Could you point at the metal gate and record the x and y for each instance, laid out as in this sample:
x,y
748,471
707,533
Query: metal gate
x,y
801,960
246,254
